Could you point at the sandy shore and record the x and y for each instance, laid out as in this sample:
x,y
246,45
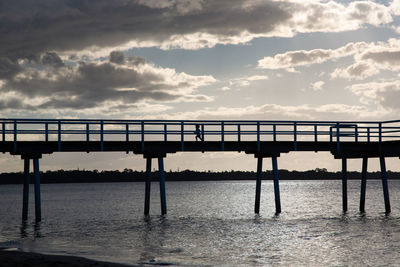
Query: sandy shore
x,y
22,259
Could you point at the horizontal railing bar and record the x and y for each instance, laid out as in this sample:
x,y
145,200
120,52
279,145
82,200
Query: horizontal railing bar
x,y
195,121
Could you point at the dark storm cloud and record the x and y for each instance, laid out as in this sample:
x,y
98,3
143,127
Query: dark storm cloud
x,y
90,84
34,34
29,27
52,59
8,68
117,57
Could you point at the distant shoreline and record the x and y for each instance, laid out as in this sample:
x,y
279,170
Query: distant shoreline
x,y
128,175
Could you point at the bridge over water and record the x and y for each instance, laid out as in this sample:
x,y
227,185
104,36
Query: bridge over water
x,y
154,139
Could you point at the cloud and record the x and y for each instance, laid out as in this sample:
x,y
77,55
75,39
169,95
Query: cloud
x,y
117,57
368,59
385,58
246,81
92,25
395,7
75,25
371,60
359,70
385,94
317,86
292,59
8,68
181,6
91,84
52,59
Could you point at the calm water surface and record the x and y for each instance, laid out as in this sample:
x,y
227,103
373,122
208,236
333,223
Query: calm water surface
x,y
208,223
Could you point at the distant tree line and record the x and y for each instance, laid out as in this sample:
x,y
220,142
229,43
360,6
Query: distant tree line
x,y
128,175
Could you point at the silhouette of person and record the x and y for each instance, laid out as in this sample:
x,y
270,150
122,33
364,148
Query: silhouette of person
x,y
198,133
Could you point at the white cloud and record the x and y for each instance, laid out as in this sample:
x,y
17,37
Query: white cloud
x,y
317,86
368,59
292,59
257,78
359,70
331,16
395,7
371,60
246,81
385,94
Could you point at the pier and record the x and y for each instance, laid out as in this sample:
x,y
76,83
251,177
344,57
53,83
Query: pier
x,y
155,139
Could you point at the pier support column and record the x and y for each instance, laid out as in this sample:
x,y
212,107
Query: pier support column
x,y
38,208
363,184
25,197
258,185
147,187
276,185
162,186
344,184
385,185
25,201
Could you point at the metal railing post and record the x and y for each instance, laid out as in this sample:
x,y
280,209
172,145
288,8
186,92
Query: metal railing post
x,y
356,134
142,135
87,132
222,135
102,135
59,135
182,136
380,136
337,137
258,136
295,135
15,135
46,128
127,132
315,133
368,135
238,132
4,131
165,132
274,131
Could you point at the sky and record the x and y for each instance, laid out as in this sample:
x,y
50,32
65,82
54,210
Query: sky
x,y
199,59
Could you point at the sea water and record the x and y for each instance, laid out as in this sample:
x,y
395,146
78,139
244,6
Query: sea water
x,y
208,224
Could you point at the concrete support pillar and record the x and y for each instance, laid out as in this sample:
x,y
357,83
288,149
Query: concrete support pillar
x,y
147,187
258,185
38,209
162,186
363,184
344,184
276,185
25,201
385,185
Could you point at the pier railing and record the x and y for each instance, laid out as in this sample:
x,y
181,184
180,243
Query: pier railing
x,y
184,130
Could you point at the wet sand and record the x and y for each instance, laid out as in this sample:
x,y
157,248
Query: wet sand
x,y
19,259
